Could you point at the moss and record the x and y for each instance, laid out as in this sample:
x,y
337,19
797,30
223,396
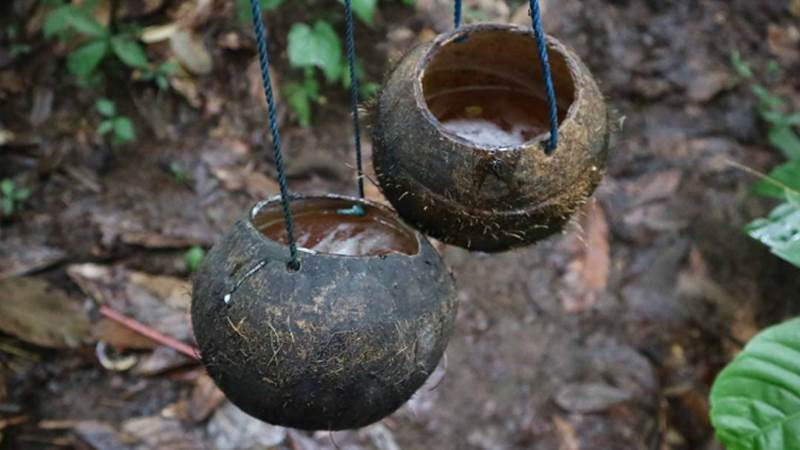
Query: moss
x,y
489,199
339,344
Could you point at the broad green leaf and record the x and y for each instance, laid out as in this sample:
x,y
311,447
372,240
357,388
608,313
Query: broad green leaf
x,y
300,102
194,257
84,23
364,10
105,107
780,231
22,194
84,60
755,401
767,99
785,140
782,178
123,130
57,21
244,11
105,126
7,187
129,51
316,47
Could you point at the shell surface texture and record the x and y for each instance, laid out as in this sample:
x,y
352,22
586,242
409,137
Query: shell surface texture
x,y
459,138
337,344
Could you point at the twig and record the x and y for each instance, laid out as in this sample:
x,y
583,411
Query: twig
x,y
761,175
150,333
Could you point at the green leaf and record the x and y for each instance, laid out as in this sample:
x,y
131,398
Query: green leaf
x,y
364,10
786,176
21,195
741,66
316,47
780,231
785,140
105,107
84,23
755,401
84,60
129,51
244,11
7,187
194,257
57,21
299,100
104,127
123,130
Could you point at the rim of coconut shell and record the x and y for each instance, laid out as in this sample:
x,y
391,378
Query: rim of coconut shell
x,y
393,221
442,40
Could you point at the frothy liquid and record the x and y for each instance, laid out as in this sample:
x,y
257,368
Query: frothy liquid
x,y
326,231
493,117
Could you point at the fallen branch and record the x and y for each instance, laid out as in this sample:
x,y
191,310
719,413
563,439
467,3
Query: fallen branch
x,y
150,333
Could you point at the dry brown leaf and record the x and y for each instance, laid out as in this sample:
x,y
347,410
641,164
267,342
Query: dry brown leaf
x,y
163,433
191,52
203,401
120,337
590,397
18,258
157,301
100,435
36,312
587,274
566,434
232,429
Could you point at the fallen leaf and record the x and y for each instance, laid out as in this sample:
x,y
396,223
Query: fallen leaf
x,y
18,258
100,436
120,337
158,33
590,397
163,433
203,401
162,360
191,52
566,434
157,301
657,186
36,312
587,274
232,429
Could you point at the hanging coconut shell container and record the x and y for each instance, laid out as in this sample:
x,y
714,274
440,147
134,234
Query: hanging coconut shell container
x,y
339,342
460,133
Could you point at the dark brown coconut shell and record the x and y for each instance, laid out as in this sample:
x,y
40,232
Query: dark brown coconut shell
x,y
488,198
340,343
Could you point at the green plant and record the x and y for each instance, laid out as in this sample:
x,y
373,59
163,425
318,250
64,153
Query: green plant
x,y
755,400
99,41
193,258
780,231
13,197
178,172
318,47
121,127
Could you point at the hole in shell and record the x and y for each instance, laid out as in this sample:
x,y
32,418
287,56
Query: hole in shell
x,y
320,228
486,87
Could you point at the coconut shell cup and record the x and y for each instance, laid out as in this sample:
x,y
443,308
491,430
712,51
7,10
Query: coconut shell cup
x,y
337,344
487,194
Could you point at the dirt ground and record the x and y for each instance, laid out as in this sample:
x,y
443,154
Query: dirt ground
x,y
606,337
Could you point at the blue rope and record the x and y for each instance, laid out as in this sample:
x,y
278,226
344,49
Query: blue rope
x,y
541,43
263,58
457,14
354,88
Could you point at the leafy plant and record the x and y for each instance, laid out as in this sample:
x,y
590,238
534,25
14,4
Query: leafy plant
x,y
780,231
121,127
67,20
193,258
755,400
13,197
178,172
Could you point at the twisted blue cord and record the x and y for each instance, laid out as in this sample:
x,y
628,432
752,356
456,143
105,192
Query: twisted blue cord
x,y
541,43
457,14
354,88
263,58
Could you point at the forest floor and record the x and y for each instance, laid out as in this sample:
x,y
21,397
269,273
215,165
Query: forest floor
x,y
605,337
